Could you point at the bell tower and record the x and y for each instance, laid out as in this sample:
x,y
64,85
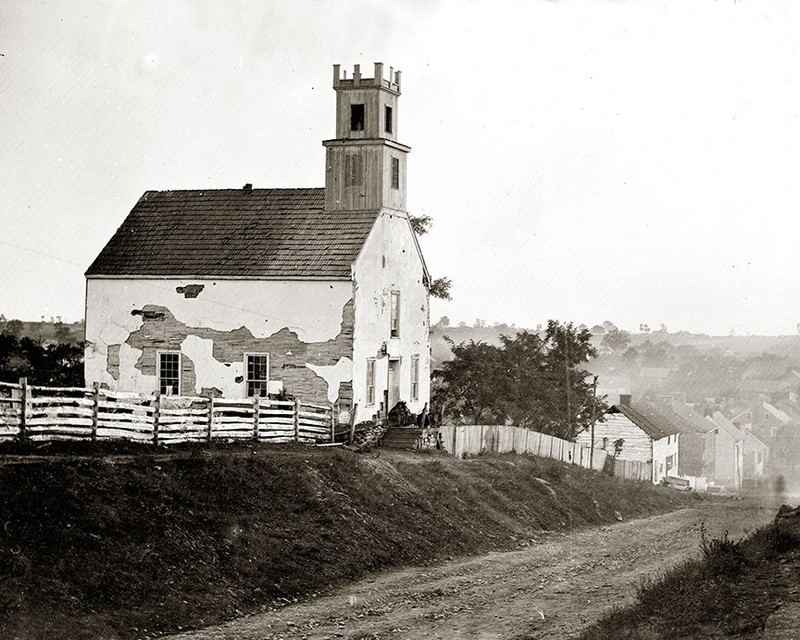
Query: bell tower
x,y
366,166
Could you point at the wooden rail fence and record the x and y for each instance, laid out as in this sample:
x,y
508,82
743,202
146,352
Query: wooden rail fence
x,y
474,439
42,414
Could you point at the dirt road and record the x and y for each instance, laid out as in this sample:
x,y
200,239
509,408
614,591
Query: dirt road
x,y
552,588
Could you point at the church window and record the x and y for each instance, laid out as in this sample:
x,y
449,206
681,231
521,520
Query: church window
x,y
394,327
357,117
414,378
169,373
257,374
371,381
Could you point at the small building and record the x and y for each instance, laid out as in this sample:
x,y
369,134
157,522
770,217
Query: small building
x,y
320,293
636,433
762,419
756,458
697,442
729,460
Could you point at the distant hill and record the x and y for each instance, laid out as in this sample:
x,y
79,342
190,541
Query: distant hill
x,y
742,346
440,349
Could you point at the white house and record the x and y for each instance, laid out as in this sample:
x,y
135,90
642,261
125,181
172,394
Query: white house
x,y
728,453
635,433
321,293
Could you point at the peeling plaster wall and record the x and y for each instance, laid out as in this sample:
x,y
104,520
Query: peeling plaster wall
x,y
298,323
390,262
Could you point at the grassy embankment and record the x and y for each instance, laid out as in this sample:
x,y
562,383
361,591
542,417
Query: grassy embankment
x,y
138,546
730,591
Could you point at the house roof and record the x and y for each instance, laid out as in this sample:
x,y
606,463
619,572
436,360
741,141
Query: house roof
x,y
245,233
726,425
754,440
647,418
696,422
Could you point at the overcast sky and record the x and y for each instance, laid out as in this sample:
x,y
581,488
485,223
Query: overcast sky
x,y
581,160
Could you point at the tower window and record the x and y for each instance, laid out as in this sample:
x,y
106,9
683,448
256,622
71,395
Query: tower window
x,y
356,117
395,173
353,170
388,119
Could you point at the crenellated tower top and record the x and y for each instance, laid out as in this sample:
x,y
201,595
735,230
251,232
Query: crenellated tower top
x,y
341,81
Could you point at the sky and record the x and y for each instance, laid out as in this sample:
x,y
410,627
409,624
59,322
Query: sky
x,y
582,160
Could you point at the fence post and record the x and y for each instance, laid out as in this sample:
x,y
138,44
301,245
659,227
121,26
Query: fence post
x,y
256,409
23,415
156,416
296,420
333,425
210,417
354,408
95,409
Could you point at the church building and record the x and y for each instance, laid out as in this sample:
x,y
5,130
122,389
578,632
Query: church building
x,y
318,293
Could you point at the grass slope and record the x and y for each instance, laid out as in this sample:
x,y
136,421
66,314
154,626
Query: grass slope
x,y
729,592
138,546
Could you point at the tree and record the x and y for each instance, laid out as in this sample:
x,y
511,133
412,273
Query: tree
x,y
466,385
57,364
536,381
420,224
438,287
616,339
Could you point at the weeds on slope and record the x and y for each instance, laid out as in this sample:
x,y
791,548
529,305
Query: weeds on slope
x,y
729,591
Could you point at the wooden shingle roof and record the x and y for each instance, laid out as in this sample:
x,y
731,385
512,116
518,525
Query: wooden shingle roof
x,y
648,418
241,233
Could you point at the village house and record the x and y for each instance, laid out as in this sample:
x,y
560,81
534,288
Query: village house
x,y
320,293
729,453
756,455
668,434
637,433
697,442
762,418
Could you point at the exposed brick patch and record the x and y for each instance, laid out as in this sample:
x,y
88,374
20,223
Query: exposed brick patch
x,y
112,360
161,331
148,314
190,290
346,394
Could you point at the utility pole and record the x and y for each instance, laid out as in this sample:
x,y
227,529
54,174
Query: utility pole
x,y
566,376
594,419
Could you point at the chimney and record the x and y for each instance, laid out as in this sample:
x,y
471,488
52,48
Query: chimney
x,y
248,186
625,399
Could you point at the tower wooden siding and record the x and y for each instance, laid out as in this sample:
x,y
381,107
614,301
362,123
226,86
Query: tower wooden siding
x,y
374,189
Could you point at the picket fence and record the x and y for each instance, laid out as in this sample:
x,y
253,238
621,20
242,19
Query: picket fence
x,y
474,439
43,414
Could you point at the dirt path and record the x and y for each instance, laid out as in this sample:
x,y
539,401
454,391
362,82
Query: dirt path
x,y
550,589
